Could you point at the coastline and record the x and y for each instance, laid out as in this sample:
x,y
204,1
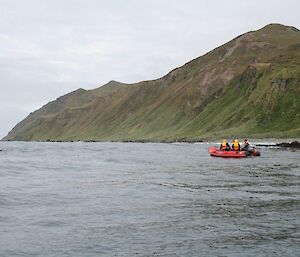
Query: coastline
x,y
260,142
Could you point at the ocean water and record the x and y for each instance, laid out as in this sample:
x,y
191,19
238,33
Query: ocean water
x,y
134,199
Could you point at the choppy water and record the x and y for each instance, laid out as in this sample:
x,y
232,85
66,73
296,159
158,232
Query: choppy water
x,y
123,199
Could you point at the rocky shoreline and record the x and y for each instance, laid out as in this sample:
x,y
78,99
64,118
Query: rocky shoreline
x,y
293,144
190,141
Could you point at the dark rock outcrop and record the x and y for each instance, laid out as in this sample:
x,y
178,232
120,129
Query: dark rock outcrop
x,y
294,144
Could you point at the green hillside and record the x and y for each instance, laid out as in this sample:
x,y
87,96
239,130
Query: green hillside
x,y
249,86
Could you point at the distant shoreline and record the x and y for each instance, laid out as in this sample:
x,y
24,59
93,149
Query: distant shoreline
x,y
290,143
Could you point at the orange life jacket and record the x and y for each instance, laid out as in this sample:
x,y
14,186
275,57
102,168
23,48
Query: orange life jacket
x,y
224,145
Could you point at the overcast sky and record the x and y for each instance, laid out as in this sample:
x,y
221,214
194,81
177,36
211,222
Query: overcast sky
x,y
51,47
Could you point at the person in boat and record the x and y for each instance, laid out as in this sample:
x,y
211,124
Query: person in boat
x,y
245,146
249,150
236,145
225,146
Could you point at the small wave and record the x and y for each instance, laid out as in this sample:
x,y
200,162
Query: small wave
x,y
49,223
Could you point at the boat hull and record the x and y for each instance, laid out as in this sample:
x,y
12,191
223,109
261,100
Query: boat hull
x,y
214,151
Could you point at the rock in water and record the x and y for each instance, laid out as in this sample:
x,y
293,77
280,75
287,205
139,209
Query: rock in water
x,y
294,144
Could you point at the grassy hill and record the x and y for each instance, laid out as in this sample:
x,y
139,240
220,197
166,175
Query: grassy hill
x,y
249,86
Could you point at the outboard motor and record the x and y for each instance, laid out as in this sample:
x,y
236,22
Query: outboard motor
x,y
256,152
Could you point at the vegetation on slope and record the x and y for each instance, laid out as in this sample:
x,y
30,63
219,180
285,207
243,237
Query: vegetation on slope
x,y
248,87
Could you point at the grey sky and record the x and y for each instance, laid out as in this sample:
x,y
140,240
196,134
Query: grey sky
x,y
49,48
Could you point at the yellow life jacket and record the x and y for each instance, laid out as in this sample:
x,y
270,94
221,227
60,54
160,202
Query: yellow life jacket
x,y
235,146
